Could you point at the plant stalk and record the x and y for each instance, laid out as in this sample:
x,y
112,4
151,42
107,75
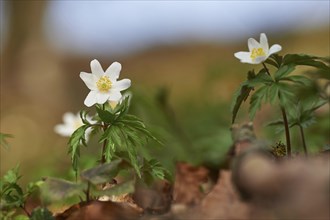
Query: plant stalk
x,y
266,68
25,211
303,140
103,159
88,191
287,132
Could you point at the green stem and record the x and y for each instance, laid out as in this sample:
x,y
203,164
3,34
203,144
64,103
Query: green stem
x,y
303,140
287,132
266,68
25,211
103,159
88,191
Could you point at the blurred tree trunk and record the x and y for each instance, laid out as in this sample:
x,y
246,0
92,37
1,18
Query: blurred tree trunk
x,y
29,67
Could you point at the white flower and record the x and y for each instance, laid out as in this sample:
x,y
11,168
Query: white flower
x,y
258,52
71,123
113,104
104,85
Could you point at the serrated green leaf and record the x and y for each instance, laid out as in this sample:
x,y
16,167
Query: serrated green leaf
x,y
58,189
303,80
256,100
106,116
75,141
275,60
103,173
41,214
272,93
304,59
12,175
241,95
286,96
283,71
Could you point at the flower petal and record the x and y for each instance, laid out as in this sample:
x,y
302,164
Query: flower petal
x,y
121,85
89,80
113,71
264,42
96,68
274,49
63,130
102,97
252,43
115,95
90,99
260,59
243,55
68,118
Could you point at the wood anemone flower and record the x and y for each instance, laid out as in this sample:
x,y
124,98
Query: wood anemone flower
x,y
104,85
258,52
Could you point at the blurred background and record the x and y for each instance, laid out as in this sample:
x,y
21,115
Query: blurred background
x,y
178,54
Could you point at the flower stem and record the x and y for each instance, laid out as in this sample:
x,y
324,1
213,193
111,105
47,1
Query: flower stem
x,y
266,68
25,211
303,140
287,132
88,191
103,159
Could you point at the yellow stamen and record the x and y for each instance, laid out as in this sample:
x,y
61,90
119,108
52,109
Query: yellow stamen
x,y
104,84
257,52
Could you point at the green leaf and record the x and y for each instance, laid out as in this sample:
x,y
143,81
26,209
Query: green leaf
x,y
58,189
103,173
300,79
283,71
241,95
272,93
285,94
41,214
304,59
119,189
256,100
3,140
12,175
275,60
105,116
20,217
76,139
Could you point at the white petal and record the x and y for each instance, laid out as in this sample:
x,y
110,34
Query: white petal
x,y
121,84
264,42
113,71
243,55
89,80
90,99
274,49
260,59
63,130
115,95
68,118
96,68
252,43
102,97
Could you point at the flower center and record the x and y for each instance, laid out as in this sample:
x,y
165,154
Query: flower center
x,y
257,52
104,84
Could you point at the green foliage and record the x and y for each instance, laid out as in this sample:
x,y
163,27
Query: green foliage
x,y
3,140
103,173
59,189
41,214
121,132
300,113
281,87
12,194
56,189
